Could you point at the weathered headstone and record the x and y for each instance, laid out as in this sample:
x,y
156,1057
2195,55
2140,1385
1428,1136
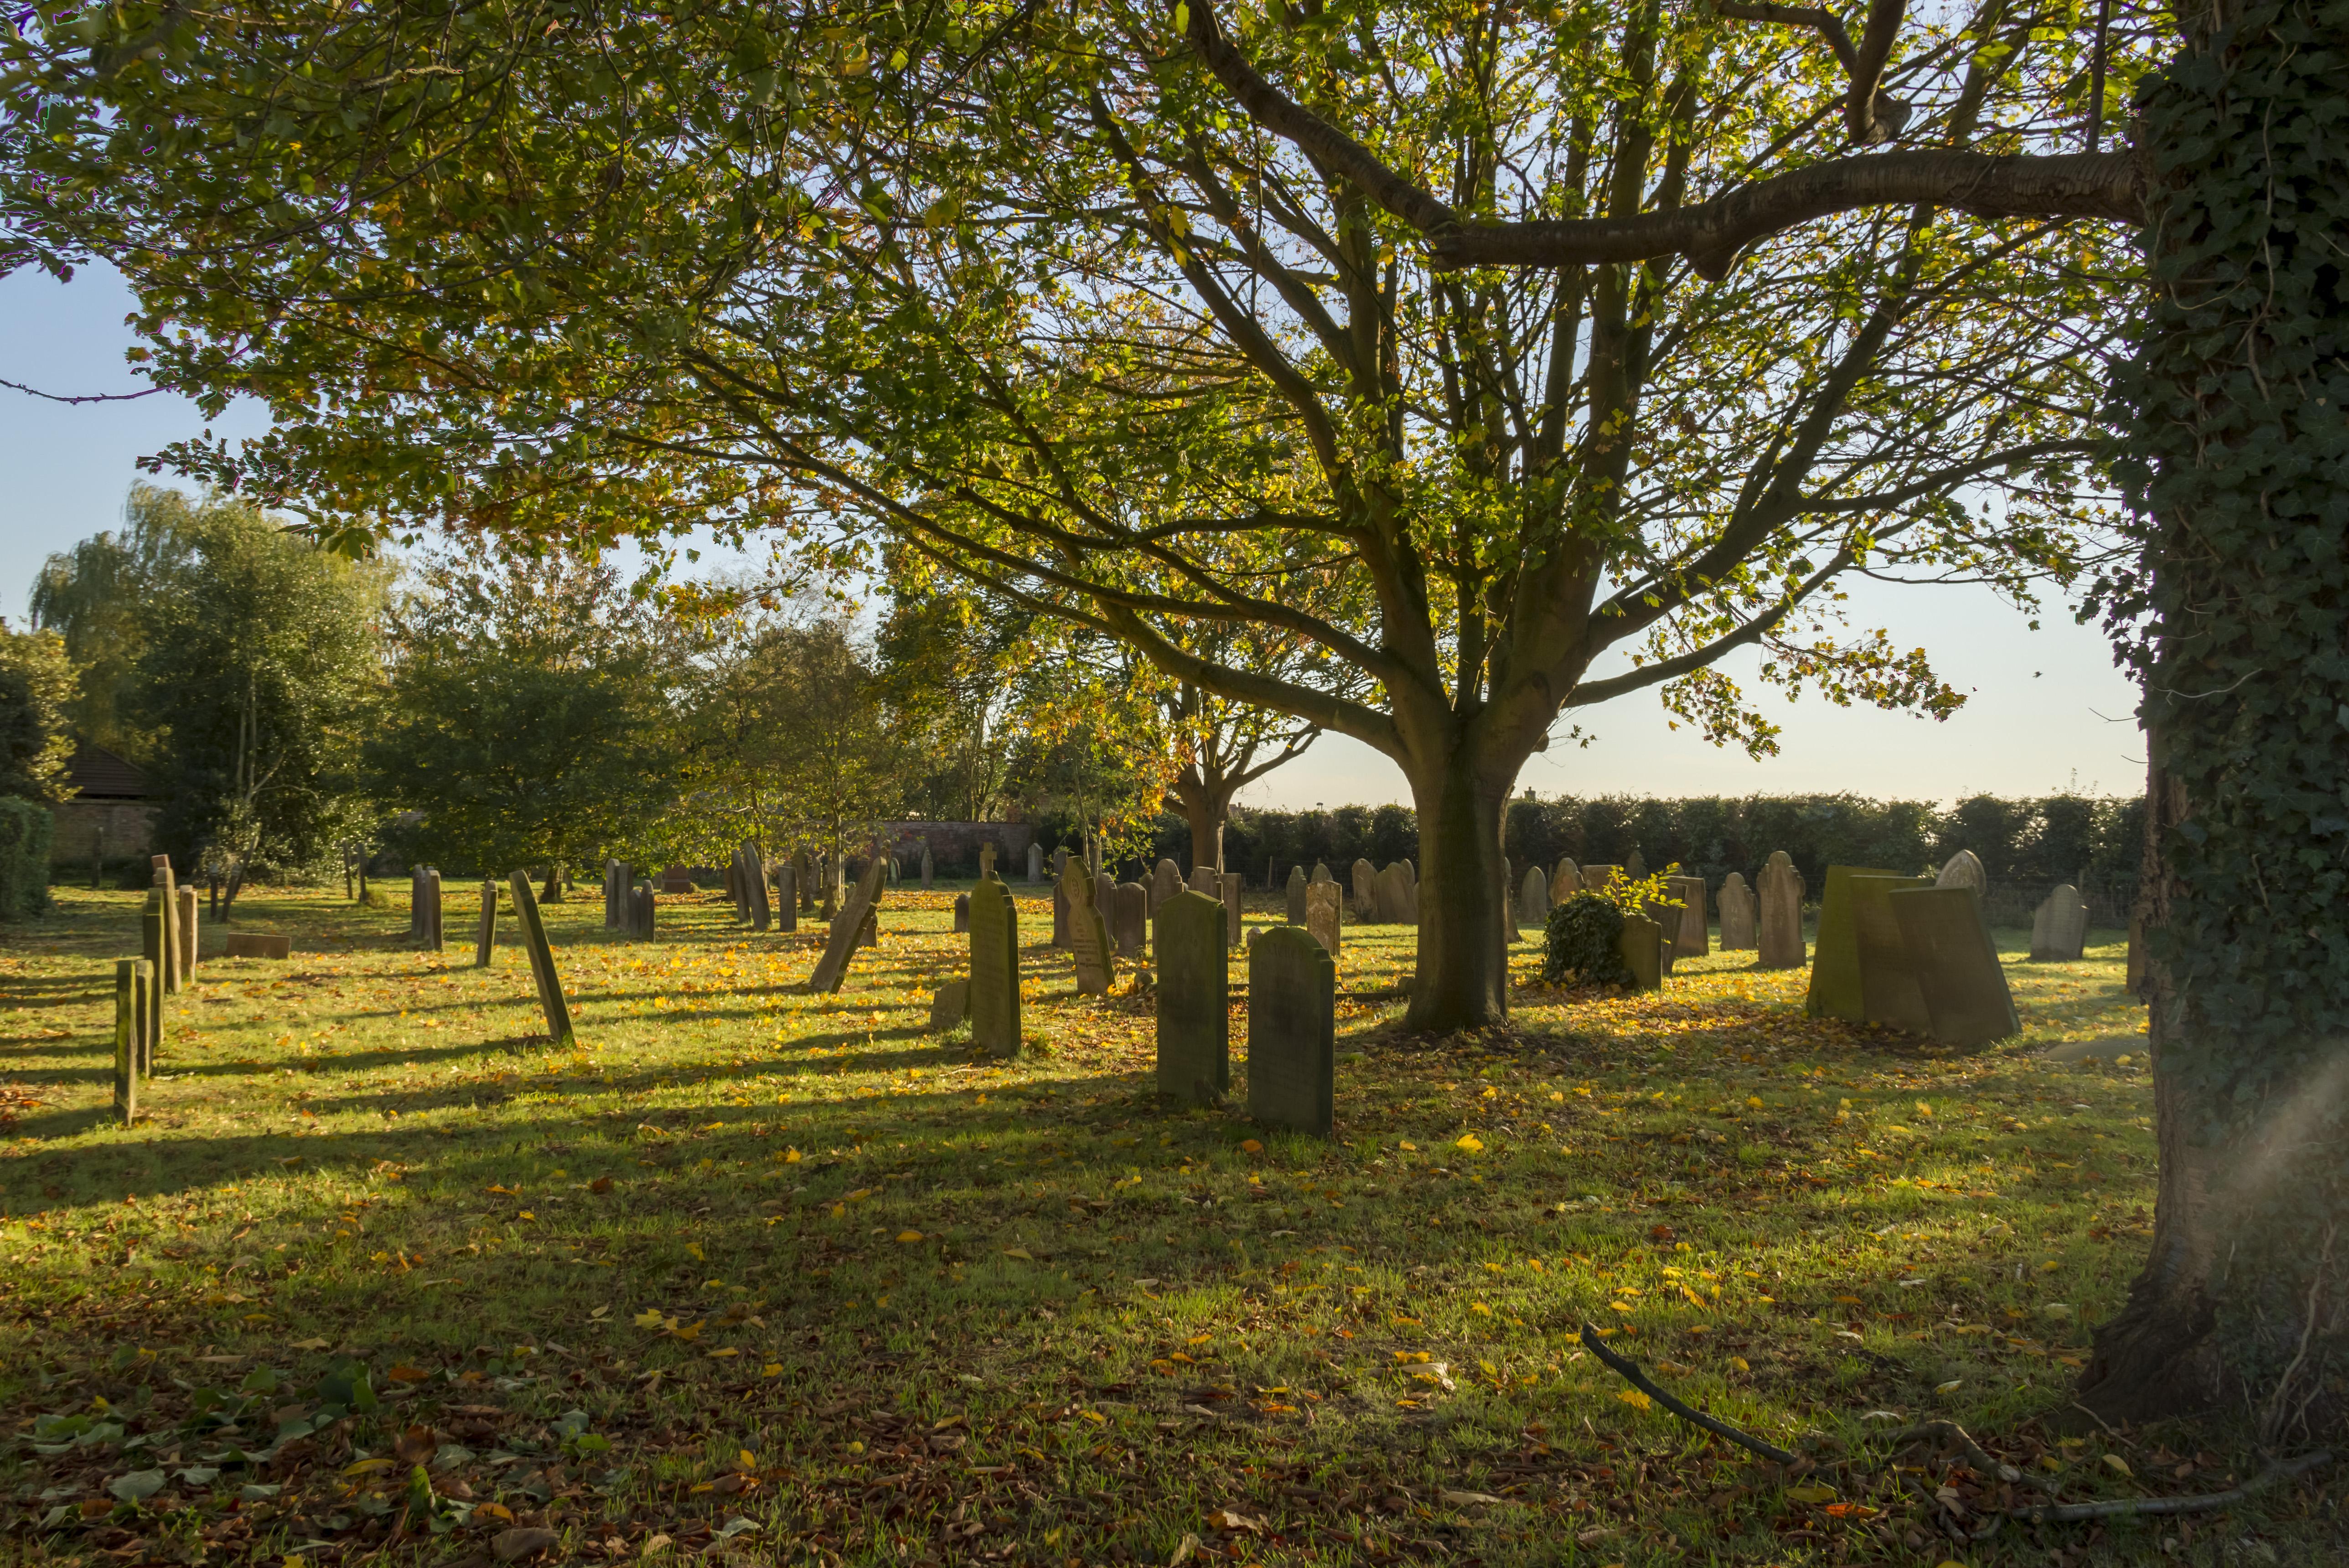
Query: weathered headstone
x,y
642,908
1060,862
803,875
1207,880
1642,946
949,1006
1778,892
612,891
551,1000
754,868
485,941
787,896
1835,991
961,912
1533,898
674,880
1232,886
994,970
1964,868
987,860
258,944
842,942
1292,1031
1062,922
1104,895
131,978
1296,891
1888,981
1325,909
183,933
928,869
1691,937
1035,863
868,935
1364,882
1395,896
1194,999
1129,919
1598,878
154,943
1165,882
1737,922
167,965
1956,964
2059,929
1635,867
1565,882
1321,872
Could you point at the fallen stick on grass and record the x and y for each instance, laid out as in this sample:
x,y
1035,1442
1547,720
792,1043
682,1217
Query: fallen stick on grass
x,y
2128,1506
1641,1380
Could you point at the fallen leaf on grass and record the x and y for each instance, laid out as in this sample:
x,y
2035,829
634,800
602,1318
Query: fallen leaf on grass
x,y
1022,1254
1636,1399
2114,1463
136,1486
311,1344
909,1235
368,1467
1468,1499
493,1511
522,1540
1810,1494
601,1185
1233,1518
1182,1551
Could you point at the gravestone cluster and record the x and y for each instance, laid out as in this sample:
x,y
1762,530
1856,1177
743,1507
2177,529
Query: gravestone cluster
x,y
1913,954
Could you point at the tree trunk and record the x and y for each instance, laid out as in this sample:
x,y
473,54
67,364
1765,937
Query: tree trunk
x,y
1460,979
1205,805
552,893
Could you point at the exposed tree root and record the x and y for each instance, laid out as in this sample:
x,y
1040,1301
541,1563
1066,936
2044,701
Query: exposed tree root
x,y
1640,1380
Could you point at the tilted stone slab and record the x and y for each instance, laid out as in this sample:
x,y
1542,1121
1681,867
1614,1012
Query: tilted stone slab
x,y
1836,991
551,1000
994,970
1735,902
1956,964
1292,1060
1325,915
1778,896
961,912
1888,981
840,944
1035,863
762,913
1194,997
787,897
485,936
1089,941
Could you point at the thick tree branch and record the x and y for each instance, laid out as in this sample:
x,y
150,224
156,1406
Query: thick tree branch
x,y
1590,694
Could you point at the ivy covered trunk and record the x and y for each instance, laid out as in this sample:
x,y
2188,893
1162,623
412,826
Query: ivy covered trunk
x,y
2239,449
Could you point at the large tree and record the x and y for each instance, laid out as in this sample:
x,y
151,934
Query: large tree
x,y
2235,172
1022,292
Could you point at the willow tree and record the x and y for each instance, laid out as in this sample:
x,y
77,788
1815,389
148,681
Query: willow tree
x,y
2232,169
1024,292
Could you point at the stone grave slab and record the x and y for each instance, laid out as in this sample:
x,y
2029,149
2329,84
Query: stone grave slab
x,y
183,931
1636,866
1642,946
1533,898
1194,999
1129,919
1835,989
1963,868
1296,891
1232,886
1692,936
1321,872
1596,879
1778,893
1292,1031
2059,928
169,975
949,1006
1956,964
1888,981
787,897
840,942
259,944
1061,922
485,940
551,1000
1735,902
961,912
1325,915
1165,882
1088,933
1565,882
994,970
130,980
1364,881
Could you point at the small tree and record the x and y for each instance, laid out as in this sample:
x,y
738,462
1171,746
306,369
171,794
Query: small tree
x,y
839,771
37,689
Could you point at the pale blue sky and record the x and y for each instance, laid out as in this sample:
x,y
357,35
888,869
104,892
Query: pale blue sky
x,y
2046,710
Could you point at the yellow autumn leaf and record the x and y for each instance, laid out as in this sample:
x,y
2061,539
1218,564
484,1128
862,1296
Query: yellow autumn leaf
x,y
1637,1400
649,1318
1471,1142
1022,1254
699,1255
909,1235
1741,1363
1754,1100
366,1467
2118,1464
790,1156
1810,1494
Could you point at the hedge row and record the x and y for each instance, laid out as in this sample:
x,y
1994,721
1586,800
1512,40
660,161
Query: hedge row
x,y
25,830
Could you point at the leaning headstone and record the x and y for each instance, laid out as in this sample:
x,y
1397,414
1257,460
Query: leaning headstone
x,y
1194,999
842,942
154,943
166,968
1296,891
1165,882
1233,884
551,1000
183,933
1035,863
994,970
1129,919
1365,885
787,897
1888,981
1565,882
1736,903
1635,867
1956,964
1964,868
949,1006
962,912
1292,1031
131,978
485,941
1325,907
2059,929
928,869
1532,897
1690,938
1834,990
869,933
1088,932
1778,892
1642,946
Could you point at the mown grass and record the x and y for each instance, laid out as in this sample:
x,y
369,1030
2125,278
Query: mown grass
x,y
784,1265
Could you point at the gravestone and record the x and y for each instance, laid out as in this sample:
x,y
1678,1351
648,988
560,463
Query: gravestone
x,y
169,976
675,879
1888,981
1533,898
1060,862
1129,919
551,1000
1565,882
962,912
1035,863
787,896
427,905
1635,867
1061,922
754,870
2059,929
612,892
1165,882
994,970
641,908
1292,1031
1207,881
928,869
950,1005
154,941
1598,878
1690,938
842,940
131,978
1964,868
1395,896
868,935
1835,991
987,860
258,944
1232,884
1104,895
1296,889
183,933
1642,946
1956,964
1325,909
1194,999
1737,924
1364,882
485,941
1509,929
1088,932
1778,895
804,875
1321,872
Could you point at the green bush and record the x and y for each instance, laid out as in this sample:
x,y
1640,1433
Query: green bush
x,y
25,832
1583,944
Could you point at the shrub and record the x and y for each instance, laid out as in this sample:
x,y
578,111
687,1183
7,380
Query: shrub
x,y
25,830
1583,943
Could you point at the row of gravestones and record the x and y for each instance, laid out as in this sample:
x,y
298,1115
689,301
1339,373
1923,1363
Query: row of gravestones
x,y
1913,954
1292,995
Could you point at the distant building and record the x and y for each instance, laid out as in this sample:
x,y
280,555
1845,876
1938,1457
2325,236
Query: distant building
x,y
111,816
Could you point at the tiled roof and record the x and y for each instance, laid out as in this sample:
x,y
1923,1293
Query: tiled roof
x,y
99,775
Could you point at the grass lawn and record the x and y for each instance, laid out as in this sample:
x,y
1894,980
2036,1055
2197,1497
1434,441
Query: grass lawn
x,y
765,1276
